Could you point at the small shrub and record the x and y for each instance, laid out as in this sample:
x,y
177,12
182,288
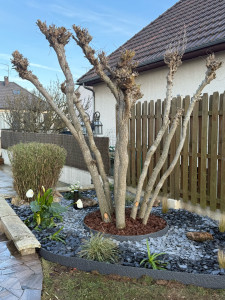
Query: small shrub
x,y
222,224
99,248
35,165
221,259
165,206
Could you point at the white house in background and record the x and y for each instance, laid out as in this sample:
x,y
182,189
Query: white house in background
x,y
9,90
205,26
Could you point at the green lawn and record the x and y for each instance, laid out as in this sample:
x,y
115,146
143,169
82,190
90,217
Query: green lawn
x,y
61,283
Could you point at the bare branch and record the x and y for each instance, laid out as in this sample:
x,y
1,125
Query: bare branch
x,y
83,38
212,66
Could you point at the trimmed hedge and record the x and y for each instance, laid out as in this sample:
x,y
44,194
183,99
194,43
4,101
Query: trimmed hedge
x,y
35,165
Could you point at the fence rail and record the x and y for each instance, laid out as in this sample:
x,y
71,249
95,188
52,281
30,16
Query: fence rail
x,y
199,176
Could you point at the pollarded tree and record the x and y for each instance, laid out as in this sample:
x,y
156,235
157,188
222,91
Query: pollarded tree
x,y
121,82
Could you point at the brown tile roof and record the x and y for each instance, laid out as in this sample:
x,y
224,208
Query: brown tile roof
x,y
205,25
11,90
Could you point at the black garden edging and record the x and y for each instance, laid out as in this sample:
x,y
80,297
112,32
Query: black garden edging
x,y
133,238
203,280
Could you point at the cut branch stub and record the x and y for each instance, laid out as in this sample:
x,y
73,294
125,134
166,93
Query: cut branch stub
x,y
55,35
83,36
20,64
212,65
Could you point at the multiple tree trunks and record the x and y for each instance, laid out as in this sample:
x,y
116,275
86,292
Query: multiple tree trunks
x,y
199,176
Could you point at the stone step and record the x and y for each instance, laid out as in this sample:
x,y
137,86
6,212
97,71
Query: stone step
x,y
15,230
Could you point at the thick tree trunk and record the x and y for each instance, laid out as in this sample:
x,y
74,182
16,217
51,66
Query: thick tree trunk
x,y
120,167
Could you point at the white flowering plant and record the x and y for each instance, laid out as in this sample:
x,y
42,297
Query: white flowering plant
x,y
79,203
75,187
45,211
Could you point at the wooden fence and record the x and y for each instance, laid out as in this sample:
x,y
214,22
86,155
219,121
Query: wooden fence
x,y
199,176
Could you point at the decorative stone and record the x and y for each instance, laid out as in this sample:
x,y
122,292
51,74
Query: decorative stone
x,y
199,236
57,196
88,202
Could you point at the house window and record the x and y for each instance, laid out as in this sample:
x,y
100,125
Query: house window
x,y
16,92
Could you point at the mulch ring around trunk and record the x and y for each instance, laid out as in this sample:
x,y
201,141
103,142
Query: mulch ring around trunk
x,y
133,227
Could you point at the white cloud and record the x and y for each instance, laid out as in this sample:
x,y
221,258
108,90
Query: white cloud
x,y
7,57
107,21
45,67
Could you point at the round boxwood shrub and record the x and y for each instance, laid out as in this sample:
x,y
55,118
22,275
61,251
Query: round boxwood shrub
x,y
35,165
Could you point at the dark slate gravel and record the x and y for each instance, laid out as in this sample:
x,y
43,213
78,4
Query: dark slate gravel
x,y
182,254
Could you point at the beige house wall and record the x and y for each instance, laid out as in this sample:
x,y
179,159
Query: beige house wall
x,y
153,87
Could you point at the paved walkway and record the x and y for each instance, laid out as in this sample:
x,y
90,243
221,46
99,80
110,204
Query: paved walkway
x,y
20,276
6,182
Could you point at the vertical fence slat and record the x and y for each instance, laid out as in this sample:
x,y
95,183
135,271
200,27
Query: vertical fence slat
x,y
172,151
214,134
165,166
185,155
158,123
133,147
220,139
194,136
138,139
144,133
177,167
203,150
151,130
222,199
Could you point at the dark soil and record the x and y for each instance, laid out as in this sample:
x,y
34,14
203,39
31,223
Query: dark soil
x,y
133,227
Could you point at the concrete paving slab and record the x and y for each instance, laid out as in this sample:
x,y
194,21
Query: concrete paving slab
x,y
17,279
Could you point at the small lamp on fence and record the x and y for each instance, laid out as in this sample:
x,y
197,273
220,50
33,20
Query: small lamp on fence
x,y
84,129
96,124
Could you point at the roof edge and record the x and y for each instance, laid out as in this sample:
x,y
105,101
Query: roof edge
x,y
153,64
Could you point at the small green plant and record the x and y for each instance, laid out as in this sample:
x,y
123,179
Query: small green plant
x,y
68,196
44,210
222,224
35,165
129,199
221,259
57,236
111,187
75,187
165,206
99,248
152,260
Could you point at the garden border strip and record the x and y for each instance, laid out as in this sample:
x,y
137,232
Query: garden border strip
x,y
133,238
203,280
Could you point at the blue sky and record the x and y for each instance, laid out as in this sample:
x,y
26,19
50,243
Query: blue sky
x,y
111,23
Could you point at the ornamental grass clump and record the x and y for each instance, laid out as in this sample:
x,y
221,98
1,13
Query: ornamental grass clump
x,y
222,224
35,165
165,205
221,258
100,249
